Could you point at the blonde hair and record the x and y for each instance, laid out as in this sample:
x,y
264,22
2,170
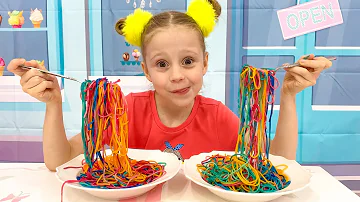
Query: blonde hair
x,y
168,19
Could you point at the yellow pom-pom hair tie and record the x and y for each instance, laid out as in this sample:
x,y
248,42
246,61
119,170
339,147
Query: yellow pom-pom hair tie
x,y
204,14
134,26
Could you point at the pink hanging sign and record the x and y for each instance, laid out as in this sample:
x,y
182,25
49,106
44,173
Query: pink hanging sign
x,y
309,17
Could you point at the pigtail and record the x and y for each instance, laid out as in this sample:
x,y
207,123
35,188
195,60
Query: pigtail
x,y
217,8
205,13
119,26
133,26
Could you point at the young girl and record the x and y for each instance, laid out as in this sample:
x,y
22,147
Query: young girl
x,y
173,116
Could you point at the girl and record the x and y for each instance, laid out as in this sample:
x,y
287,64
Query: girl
x,y
173,116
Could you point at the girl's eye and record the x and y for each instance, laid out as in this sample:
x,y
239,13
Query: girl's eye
x,y
187,61
161,64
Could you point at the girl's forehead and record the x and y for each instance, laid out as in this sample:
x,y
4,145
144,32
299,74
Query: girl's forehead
x,y
177,36
171,46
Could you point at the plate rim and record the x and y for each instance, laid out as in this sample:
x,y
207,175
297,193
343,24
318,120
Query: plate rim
x,y
161,180
211,187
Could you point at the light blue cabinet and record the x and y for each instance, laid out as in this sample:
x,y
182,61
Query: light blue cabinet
x,y
44,43
329,117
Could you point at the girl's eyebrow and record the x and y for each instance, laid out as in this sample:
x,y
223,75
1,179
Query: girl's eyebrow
x,y
157,54
182,51
190,51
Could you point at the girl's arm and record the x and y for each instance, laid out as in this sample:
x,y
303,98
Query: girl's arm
x,y
45,88
296,80
56,147
286,138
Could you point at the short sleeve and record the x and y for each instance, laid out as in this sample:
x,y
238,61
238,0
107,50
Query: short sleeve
x,y
130,111
129,101
227,128
139,120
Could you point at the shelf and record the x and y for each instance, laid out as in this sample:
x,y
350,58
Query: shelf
x,y
11,90
43,29
130,62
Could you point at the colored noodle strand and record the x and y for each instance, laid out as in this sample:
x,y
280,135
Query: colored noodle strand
x,y
249,169
105,124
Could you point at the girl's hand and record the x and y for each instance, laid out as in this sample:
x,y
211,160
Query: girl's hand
x,y
39,85
298,78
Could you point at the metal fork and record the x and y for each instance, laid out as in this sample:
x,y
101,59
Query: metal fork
x,y
47,72
331,58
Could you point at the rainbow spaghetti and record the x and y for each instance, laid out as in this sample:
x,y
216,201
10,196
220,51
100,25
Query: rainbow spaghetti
x,y
105,124
249,169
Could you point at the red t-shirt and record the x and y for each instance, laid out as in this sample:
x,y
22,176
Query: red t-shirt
x,y
210,126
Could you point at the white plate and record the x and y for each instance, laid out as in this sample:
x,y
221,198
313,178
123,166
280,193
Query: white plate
x,y
172,167
300,179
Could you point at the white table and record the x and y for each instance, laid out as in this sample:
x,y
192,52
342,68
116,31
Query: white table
x,y
33,182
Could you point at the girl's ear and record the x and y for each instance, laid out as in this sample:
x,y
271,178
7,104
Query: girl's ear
x,y
206,63
145,70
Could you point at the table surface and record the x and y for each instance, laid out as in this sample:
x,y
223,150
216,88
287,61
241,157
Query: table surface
x,y
34,182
